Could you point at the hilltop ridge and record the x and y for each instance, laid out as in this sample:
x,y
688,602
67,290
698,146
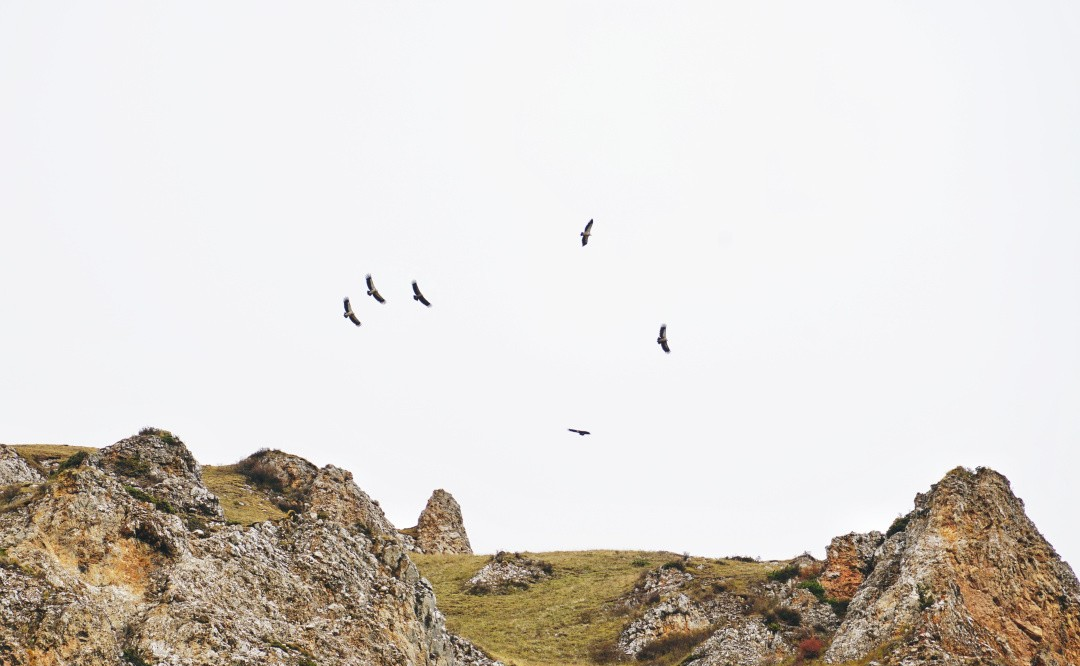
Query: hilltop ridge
x,y
136,554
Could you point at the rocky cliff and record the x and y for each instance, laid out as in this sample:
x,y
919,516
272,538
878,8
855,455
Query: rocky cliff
x,y
124,556
965,578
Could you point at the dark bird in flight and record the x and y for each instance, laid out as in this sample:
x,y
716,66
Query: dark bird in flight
x,y
580,432
662,340
585,234
417,296
349,314
372,291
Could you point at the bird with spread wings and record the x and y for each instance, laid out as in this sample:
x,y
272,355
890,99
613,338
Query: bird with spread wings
x,y
372,291
349,314
417,296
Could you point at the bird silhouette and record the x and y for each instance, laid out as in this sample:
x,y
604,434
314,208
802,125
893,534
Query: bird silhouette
x,y
417,296
580,432
585,234
349,314
372,291
662,340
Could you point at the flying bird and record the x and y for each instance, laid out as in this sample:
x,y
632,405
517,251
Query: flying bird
x,y
417,296
585,234
349,314
372,291
662,340
580,432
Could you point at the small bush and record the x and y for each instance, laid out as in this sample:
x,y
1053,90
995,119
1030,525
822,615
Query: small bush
x,y
639,562
926,596
783,574
163,435
144,496
898,525
132,466
134,658
72,462
674,564
815,588
673,644
789,616
740,558
810,648
260,472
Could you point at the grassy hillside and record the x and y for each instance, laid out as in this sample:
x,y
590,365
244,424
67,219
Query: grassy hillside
x,y
569,619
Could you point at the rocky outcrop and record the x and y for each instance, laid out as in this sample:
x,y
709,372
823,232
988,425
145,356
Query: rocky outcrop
x,y
965,578
440,528
507,572
847,559
13,469
746,642
125,558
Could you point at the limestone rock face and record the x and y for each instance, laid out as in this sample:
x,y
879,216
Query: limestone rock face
x,y
440,528
13,469
125,559
968,580
847,559
746,642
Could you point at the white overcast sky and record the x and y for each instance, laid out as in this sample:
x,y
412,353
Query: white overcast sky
x,y
860,221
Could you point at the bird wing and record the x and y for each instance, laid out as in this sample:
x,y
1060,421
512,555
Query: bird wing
x,y
663,330
585,234
418,296
348,308
373,291
352,317
664,346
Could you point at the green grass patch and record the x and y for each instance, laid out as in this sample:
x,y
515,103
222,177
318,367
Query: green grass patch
x,y
568,619
239,501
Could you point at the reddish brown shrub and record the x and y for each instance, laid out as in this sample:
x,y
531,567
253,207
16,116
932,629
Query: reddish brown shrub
x,y
810,648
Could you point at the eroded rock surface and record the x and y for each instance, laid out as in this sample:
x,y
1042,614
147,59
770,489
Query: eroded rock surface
x,y
848,559
968,580
440,528
125,559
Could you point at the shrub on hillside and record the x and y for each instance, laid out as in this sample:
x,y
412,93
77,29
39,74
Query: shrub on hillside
x,y
898,525
810,648
783,574
675,644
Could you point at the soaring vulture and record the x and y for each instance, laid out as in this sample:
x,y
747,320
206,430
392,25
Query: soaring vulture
x,y
349,314
662,340
580,432
585,234
372,291
417,296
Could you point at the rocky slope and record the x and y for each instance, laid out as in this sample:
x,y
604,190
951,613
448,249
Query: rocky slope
x,y
124,556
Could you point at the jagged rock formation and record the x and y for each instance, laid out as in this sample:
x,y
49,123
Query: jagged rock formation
x,y
440,528
965,578
126,558
847,559
507,572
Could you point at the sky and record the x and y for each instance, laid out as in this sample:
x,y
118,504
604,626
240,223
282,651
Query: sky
x,y
860,222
